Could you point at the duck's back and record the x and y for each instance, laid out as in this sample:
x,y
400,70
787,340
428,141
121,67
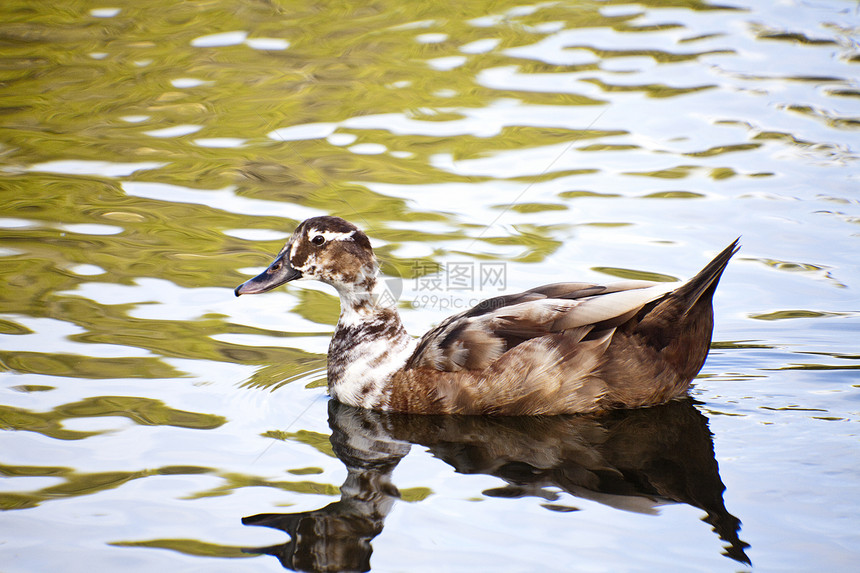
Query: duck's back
x,y
564,348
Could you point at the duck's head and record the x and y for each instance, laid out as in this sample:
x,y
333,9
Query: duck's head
x,y
326,249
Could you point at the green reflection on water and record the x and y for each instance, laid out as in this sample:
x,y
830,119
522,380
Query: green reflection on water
x,y
674,195
273,376
634,274
316,440
32,388
234,481
537,207
788,314
190,547
415,493
76,484
652,90
77,366
318,306
306,471
9,327
96,90
143,411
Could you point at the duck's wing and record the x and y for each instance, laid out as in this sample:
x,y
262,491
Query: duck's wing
x,y
474,339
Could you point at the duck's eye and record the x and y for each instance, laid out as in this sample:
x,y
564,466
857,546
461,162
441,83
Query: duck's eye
x,y
318,240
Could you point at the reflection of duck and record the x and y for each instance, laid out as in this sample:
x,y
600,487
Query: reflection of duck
x,y
560,348
661,454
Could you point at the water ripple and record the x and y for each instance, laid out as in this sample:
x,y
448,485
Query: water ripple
x,y
155,155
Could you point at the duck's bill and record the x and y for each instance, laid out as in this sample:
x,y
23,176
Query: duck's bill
x,y
278,273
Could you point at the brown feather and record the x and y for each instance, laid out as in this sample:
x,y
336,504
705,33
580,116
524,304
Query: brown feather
x,y
645,354
559,348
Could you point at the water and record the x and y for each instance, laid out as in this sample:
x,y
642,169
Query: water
x,y
155,155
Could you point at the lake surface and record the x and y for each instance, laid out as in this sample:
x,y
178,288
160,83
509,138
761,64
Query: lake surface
x,y
154,155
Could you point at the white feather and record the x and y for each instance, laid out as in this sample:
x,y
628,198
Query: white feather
x,y
607,306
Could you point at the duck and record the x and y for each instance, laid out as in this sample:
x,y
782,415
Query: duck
x,y
562,348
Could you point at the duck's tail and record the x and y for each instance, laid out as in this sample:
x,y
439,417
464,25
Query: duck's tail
x,y
705,283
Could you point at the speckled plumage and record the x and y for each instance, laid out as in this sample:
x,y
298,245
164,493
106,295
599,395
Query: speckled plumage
x,y
557,349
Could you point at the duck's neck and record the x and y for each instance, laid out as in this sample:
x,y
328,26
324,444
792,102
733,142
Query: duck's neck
x,y
369,344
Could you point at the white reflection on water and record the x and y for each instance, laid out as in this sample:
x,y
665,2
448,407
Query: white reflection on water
x,y
92,229
258,234
174,131
268,43
57,335
155,299
368,149
447,63
105,12
101,168
87,270
480,46
220,142
306,131
220,40
187,82
222,199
